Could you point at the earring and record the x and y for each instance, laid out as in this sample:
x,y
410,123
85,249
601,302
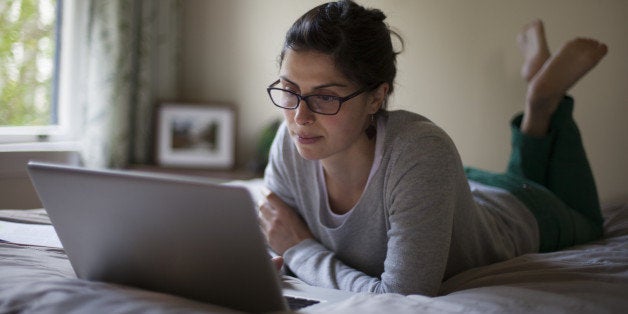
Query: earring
x,y
371,130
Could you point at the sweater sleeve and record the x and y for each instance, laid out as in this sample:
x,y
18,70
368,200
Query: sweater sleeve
x,y
276,178
422,201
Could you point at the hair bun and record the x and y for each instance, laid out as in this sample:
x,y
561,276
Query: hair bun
x,y
377,15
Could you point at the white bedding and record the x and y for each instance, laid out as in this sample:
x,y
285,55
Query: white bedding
x,y
590,278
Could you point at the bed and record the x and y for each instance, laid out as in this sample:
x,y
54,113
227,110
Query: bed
x,y
36,277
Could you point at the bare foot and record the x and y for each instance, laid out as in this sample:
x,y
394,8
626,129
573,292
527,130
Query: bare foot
x,y
552,81
533,46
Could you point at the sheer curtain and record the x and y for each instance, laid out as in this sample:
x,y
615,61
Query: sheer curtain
x,y
128,55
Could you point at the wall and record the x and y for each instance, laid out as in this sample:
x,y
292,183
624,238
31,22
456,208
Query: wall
x,y
16,189
460,67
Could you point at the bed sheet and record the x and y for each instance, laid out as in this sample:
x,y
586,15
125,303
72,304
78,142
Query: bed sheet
x,y
590,278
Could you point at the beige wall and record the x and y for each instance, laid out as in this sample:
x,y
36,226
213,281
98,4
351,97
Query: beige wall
x,y
460,67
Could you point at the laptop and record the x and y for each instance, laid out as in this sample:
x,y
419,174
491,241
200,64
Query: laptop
x,y
179,235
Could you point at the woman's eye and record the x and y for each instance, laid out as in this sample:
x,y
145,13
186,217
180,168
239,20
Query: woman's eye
x,y
288,87
326,98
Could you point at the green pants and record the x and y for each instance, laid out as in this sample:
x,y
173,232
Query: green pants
x,y
552,177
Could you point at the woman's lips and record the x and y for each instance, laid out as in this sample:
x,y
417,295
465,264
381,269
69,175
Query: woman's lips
x,y
307,139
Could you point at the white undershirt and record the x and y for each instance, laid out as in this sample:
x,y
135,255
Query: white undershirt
x,y
332,219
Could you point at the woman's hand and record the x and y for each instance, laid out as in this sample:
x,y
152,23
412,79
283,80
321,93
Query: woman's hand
x,y
278,262
281,225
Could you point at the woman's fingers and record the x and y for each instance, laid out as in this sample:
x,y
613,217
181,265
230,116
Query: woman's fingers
x,y
278,262
280,224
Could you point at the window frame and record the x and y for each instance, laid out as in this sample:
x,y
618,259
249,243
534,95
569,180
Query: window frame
x,y
65,119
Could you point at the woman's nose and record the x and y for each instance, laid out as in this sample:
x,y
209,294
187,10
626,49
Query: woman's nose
x,y
303,115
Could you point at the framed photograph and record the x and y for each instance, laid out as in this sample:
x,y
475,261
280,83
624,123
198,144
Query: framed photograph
x,y
196,135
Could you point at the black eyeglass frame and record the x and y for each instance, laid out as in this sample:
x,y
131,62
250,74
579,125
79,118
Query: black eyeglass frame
x,y
340,100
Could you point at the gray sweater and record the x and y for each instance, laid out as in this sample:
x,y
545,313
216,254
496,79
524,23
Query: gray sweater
x,y
418,222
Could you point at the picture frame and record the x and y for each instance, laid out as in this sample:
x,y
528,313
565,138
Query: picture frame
x,y
196,135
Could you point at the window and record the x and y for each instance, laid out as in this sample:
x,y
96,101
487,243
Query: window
x,y
30,52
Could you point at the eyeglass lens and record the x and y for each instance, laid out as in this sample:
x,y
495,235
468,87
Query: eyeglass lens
x,y
318,103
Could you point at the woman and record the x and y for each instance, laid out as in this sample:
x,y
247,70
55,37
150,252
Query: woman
x,y
363,199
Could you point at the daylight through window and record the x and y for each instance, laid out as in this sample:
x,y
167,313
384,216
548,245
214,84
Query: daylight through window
x,y
28,58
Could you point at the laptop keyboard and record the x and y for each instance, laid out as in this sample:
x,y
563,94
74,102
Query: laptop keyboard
x,y
295,303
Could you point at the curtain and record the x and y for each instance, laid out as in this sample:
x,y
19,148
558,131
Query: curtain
x,y
130,56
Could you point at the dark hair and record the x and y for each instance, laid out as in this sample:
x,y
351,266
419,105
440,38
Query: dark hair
x,y
356,37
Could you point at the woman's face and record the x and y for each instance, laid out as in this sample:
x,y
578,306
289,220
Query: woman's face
x,y
316,136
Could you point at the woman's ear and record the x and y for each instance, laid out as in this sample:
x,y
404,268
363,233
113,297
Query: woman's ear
x,y
378,95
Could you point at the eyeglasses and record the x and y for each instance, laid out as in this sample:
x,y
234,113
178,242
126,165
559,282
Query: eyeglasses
x,y
321,104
